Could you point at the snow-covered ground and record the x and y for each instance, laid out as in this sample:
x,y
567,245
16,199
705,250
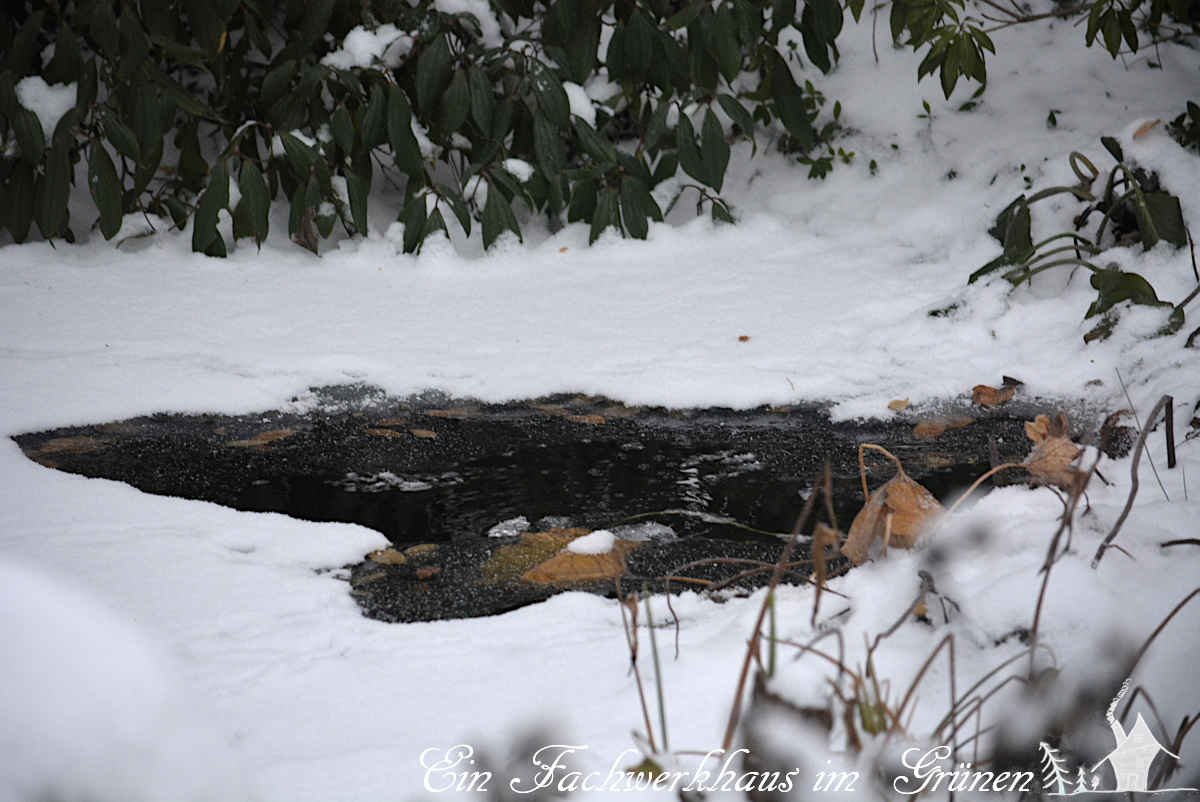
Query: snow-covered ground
x,y
165,649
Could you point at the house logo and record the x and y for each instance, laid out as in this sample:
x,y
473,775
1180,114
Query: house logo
x,y
1131,760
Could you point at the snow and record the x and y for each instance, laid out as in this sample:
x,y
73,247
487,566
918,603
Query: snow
x,y
362,48
48,102
598,542
581,103
211,647
509,527
519,169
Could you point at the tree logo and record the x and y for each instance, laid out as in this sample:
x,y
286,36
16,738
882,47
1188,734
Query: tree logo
x,y
1130,761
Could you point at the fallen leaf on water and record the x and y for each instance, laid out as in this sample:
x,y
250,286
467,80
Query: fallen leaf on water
x,y
1145,128
987,396
563,249
384,433
929,429
898,404
388,556
744,338
429,571
262,438
1051,460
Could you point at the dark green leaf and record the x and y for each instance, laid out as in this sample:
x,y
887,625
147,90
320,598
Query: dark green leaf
x,y
276,82
723,36
1162,215
606,214
1127,30
29,135
105,188
583,201
21,57
689,154
53,190
178,210
666,168
204,224
783,14
135,45
358,187
458,206
1113,147
684,17
374,121
1110,28
552,98
255,200
1093,23
67,63
596,146
19,200
721,214
343,129
299,155
433,74
192,168
482,101
1018,240
638,45
636,206
714,150
497,216
547,146
405,150
1115,286
316,17
414,223
456,103
122,138
789,103
737,112
85,96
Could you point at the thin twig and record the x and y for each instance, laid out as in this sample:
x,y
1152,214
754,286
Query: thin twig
x,y
1149,422
1051,557
735,712
1161,626
1170,413
1133,482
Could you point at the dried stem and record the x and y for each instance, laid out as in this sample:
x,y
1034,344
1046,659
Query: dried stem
x,y
1133,480
735,712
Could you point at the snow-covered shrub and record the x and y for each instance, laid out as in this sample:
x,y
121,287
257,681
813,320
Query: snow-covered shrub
x,y
582,110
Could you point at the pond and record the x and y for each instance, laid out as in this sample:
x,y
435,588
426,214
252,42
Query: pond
x,y
474,496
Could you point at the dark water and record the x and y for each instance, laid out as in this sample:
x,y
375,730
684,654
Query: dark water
x,y
592,484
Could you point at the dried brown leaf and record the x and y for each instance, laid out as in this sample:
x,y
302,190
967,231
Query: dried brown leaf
x,y
898,405
902,506
1051,462
567,567
929,429
987,396
388,556
1145,128
262,438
